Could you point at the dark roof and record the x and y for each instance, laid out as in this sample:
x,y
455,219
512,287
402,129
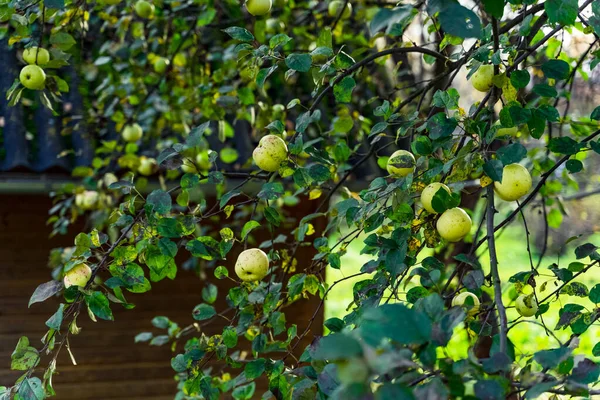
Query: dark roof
x,y
45,148
31,139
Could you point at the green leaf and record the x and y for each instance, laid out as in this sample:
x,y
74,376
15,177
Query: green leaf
x,y
551,358
248,227
336,346
300,62
24,356
209,293
62,40
254,368
158,201
179,363
555,218
543,90
160,265
280,39
392,20
230,338
31,389
58,4
596,114
564,145
513,153
574,166
494,169
460,21
562,12
343,90
45,291
334,324
98,304
55,321
586,250
396,322
203,311
241,34
271,191
595,294
489,389
494,7
244,392
556,69
520,78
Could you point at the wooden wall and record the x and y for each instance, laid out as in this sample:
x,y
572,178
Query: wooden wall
x,y
110,364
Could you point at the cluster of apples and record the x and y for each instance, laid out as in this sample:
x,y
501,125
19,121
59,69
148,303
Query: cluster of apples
x,y
32,76
262,7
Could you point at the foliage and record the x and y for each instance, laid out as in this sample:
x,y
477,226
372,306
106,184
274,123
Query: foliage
x,y
200,76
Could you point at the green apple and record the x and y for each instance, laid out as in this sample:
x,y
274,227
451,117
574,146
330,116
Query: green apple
x,y
36,55
87,200
454,224
144,9
516,183
148,166
526,305
335,7
180,60
79,275
461,299
160,65
132,133
252,265
482,78
259,7
401,163
428,193
33,77
353,370
270,153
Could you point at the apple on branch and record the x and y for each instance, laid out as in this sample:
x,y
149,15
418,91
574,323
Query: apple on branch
x,y
132,133
516,182
259,7
270,153
429,192
335,7
454,224
33,77
252,265
482,79
472,305
36,55
526,305
87,200
144,9
79,275
401,163
148,166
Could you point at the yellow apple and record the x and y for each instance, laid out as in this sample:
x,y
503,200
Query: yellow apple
x,y
144,9
79,275
482,78
36,55
460,300
401,163
180,60
132,133
87,200
454,224
259,7
335,7
33,77
148,166
160,65
428,193
526,305
270,153
516,183
252,265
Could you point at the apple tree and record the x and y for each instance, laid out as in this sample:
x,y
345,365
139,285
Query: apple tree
x,y
325,88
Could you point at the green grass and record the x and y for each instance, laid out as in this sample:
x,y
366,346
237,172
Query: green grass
x,y
512,258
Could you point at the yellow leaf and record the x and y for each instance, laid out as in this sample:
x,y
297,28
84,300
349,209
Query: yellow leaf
x,y
485,181
228,210
314,194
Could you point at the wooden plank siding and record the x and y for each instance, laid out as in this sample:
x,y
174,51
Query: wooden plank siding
x,y
110,364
